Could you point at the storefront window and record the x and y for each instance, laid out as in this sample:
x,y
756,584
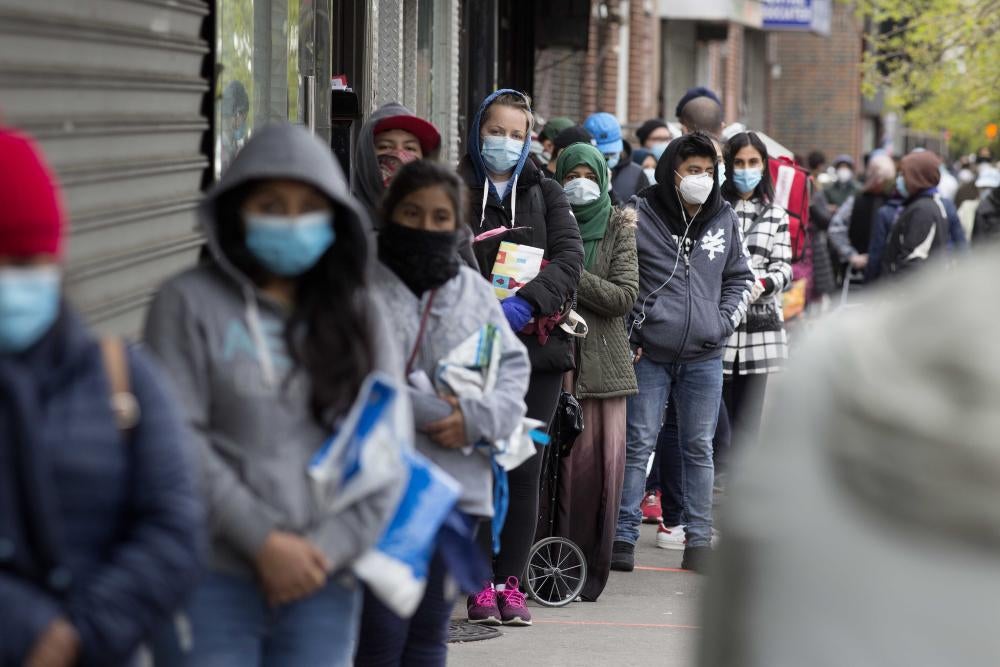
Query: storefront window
x,y
267,53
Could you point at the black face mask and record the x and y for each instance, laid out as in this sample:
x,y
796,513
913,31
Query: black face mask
x,y
422,260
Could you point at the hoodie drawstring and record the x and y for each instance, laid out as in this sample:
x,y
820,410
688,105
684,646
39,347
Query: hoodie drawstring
x,y
257,333
513,201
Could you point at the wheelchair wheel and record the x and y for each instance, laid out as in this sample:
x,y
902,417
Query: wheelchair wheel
x,y
556,572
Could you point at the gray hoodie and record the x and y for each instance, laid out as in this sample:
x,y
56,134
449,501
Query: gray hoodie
x,y
877,483
366,179
221,341
461,306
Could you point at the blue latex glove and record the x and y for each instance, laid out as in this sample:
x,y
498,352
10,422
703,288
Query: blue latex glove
x,y
517,311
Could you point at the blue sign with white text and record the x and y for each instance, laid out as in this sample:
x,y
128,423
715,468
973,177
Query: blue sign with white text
x,y
805,15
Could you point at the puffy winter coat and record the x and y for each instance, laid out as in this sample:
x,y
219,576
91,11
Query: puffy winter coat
x,y
606,295
538,215
103,529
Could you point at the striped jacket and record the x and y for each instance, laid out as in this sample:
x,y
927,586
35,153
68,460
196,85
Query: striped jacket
x,y
759,344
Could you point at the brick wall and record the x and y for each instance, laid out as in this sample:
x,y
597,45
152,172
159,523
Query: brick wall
x,y
643,70
815,103
576,84
558,80
732,79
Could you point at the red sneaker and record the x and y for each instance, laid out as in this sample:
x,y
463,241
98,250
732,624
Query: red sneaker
x,y
651,510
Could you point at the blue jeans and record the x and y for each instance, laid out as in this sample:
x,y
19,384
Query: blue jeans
x,y
695,389
420,641
229,624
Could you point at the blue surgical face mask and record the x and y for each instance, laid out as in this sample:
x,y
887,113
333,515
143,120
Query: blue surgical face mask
x,y
901,186
657,149
746,180
501,154
582,191
612,160
29,306
289,245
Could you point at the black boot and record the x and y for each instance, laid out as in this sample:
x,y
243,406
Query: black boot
x,y
696,559
622,557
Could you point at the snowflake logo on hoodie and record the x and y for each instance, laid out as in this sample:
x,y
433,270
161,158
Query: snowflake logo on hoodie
x,y
714,242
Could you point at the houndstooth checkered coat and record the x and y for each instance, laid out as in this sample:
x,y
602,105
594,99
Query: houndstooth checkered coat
x,y
759,344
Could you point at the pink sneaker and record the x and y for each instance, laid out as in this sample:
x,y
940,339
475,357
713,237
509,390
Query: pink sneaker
x,y
512,608
651,510
482,607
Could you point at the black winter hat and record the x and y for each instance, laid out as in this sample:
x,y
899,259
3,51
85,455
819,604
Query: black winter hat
x,y
647,128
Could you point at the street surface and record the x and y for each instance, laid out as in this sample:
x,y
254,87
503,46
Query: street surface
x,y
646,617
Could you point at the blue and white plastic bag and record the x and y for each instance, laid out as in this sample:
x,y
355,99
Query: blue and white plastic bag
x,y
396,569
363,456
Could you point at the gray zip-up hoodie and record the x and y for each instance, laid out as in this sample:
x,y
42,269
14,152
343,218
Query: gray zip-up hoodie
x,y
460,307
221,341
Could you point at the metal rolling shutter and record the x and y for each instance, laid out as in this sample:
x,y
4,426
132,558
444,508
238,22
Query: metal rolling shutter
x,y
116,93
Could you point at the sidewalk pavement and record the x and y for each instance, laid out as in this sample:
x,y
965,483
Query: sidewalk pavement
x,y
645,617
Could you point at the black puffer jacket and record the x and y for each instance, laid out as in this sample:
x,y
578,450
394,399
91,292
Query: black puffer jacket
x,y
541,217
920,232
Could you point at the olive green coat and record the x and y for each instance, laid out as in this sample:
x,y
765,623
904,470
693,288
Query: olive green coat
x,y
605,296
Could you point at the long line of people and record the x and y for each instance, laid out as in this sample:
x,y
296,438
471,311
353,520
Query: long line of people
x,y
183,516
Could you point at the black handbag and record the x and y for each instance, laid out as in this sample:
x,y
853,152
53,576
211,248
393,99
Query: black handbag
x,y
567,424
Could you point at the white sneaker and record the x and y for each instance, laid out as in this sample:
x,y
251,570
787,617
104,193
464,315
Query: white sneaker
x,y
670,538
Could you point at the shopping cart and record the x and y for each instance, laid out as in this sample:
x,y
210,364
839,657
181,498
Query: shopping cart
x,y
557,569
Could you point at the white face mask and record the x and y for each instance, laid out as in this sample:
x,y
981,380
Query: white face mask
x,y
650,174
844,175
582,191
696,189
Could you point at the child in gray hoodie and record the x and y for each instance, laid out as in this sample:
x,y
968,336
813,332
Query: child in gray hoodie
x,y
268,342
437,304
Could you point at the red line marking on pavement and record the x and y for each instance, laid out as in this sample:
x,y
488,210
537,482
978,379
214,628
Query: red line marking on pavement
x,y
622,625
662,569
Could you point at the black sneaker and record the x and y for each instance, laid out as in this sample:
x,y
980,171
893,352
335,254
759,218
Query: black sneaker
x,y
622,557
696,559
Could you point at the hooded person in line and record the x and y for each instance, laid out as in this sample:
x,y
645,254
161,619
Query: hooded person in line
x,y
881,452
921,231
101,527
508,193
392,137
694,287
269,343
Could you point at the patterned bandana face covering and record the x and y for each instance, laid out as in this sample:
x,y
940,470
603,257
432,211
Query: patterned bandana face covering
x,y
390,163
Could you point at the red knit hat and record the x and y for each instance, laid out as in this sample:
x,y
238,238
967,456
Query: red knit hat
x,y
31,212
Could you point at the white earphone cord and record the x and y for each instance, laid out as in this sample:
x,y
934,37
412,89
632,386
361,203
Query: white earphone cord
x,y
637,323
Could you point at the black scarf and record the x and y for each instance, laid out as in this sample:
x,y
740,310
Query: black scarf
x,y
422,260
866,206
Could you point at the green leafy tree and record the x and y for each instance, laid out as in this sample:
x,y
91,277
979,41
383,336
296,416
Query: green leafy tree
x,y
938,62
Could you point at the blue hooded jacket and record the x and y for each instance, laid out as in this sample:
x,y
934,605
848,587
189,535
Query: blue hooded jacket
x,y
475,149
533,212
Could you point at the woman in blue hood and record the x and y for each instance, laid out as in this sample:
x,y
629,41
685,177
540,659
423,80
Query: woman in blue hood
x,y
508,193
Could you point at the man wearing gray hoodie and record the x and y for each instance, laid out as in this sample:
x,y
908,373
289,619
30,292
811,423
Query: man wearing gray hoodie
x,y
268,343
